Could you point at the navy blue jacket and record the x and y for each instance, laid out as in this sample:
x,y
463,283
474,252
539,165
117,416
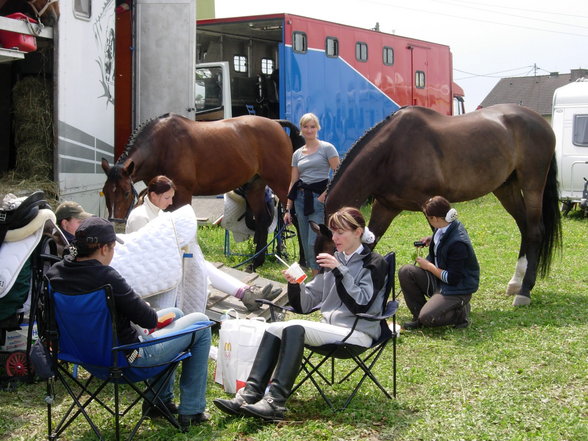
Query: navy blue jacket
x,y
456,256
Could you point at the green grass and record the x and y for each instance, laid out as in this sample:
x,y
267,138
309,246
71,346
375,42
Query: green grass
x,y
514,374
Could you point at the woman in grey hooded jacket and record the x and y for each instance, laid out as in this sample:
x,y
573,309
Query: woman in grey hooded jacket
x,y
351,280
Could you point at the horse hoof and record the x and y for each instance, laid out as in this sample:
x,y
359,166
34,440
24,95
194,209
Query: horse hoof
x,y
513,289
521,300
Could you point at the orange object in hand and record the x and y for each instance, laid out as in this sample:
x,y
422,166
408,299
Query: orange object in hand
x,y
165,320
162,322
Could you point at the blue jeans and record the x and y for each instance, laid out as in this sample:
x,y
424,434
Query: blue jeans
x,y
307,236
194,368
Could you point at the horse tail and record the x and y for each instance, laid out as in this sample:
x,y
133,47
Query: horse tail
x,y
295,138
552,238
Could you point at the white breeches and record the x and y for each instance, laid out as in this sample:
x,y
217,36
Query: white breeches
x,y
318,334
222,281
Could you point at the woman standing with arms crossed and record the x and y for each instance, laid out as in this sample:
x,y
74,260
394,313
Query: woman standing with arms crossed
x,y
311,166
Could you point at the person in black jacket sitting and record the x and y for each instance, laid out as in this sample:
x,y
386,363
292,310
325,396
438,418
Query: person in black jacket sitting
x,y
88,268
439,289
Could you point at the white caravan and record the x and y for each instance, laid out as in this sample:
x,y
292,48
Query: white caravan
x,y
570,124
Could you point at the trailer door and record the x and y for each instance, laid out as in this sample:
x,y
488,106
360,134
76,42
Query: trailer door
x,y
164,58
420,75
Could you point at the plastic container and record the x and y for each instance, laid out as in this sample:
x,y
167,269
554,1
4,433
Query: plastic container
x,y
14,40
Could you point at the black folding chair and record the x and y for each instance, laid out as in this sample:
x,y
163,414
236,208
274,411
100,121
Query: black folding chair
x,y
365,358
81,329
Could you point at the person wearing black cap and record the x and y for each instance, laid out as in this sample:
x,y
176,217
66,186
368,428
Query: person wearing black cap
x,y
88,268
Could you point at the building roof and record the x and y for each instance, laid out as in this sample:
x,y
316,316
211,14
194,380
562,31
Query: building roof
x,y
535,92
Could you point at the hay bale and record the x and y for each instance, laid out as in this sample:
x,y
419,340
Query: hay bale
x,y
10,183
33,128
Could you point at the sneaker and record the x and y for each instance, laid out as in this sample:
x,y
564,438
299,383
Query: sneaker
x,y
156,412
186,421
415,324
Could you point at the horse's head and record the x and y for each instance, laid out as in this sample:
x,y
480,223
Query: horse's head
x,y
324,239
118,190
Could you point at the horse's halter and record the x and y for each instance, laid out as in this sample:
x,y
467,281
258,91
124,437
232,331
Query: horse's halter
x,y
117,220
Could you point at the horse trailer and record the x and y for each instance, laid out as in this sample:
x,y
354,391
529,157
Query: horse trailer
x,y
570,124
284,65
109,69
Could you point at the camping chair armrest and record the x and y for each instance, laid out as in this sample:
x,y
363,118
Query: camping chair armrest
x,y
273,305
189,330
391,308
286,308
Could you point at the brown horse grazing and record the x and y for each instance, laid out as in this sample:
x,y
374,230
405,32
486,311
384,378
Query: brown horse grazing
x,y
417,153
204,158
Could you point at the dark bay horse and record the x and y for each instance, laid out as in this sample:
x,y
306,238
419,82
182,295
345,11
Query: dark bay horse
x,y
204,158
417,153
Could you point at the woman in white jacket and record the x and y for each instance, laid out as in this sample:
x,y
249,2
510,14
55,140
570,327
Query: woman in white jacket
x,y
158,197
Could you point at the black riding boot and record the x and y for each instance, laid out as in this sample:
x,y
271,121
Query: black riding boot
x,y
261,371
272,406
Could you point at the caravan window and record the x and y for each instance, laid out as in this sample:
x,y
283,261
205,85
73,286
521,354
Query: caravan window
x,y
581,130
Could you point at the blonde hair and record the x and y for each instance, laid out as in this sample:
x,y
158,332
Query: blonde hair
x,y
347,218
308,117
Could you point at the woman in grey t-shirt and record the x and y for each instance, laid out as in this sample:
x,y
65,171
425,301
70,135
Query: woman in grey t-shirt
x,y
311,166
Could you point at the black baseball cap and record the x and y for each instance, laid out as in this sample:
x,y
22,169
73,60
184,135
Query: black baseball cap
x,y
96,230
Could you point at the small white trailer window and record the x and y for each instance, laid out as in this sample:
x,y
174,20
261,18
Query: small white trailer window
x,y
581,130
82,8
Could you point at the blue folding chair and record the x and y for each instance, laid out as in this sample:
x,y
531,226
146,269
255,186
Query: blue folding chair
x,y
365,358
81,329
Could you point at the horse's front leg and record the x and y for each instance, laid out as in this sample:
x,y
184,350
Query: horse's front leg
x,y
380,219
255,196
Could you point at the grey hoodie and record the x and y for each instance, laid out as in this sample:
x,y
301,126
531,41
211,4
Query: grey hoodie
x,y
354,287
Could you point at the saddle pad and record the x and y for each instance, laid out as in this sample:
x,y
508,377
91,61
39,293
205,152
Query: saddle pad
x,y
13,255
193,291
234,217
151,258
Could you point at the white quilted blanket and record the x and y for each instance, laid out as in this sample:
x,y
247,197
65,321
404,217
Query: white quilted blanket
x,y
234,217
163,262
13,254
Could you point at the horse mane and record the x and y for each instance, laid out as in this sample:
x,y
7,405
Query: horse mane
x,y
357,147
137,133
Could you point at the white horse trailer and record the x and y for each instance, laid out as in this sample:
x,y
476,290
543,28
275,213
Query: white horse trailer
x,y
112,70
570,124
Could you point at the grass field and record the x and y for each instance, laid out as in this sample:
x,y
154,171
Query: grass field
x,y
514,374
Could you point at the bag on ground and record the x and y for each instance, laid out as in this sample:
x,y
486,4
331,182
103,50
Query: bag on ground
x,y
238,343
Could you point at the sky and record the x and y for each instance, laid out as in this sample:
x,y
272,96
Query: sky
x,y
489,39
